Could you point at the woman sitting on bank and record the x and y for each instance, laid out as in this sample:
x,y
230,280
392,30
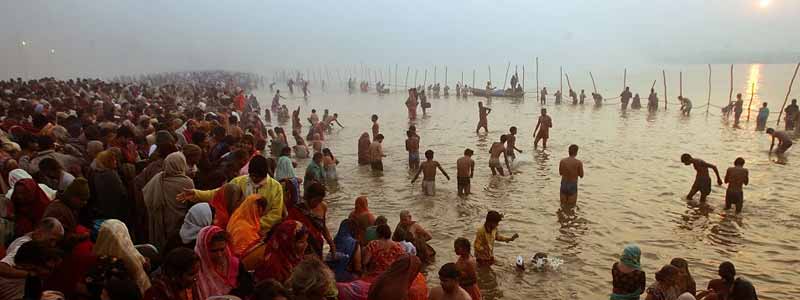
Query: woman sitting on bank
x,y
221,273
285,249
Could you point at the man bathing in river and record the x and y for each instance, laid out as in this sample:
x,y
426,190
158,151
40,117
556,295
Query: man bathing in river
x,y
376,153
494,157
702,181
465,167
542,130
485,237
412,146
483,112
570,169
511,141
736,177
784,142
428,170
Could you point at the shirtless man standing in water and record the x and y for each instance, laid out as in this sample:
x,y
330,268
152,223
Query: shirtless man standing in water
x,y
483,111
570,169
428,170
511,143
494,156
702,181
542,130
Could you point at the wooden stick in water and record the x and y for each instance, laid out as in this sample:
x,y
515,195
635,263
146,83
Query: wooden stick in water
x,y
791,83
434,75
568,83
415,77
490,74
473,78
537,75
560,79
425,80
730,94
445,75
624,78
405,85
680,84
654,84
708,102
593,84
505,80
752,94
523,78
664,75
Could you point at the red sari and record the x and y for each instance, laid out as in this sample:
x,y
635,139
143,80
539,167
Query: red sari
x,y
280,254
29,211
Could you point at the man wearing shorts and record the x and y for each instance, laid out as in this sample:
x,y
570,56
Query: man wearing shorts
x,y
736,177
570,169
784,142
412,146
542,130
428,170
376,153
495,151
511,143
465,167
702,181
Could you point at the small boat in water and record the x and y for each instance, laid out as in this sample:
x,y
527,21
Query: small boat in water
x,y
509,93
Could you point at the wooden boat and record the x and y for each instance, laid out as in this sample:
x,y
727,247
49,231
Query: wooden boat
x,y
497,93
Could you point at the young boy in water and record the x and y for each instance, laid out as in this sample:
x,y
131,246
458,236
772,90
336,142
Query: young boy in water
x,y
412,146
467,268
428,169
736,177
494,157
485,237
375,127
570,169
449,289
511,141
542,130
483,113
465,167
376,153
702,181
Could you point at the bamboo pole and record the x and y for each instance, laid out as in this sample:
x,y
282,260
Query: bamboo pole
x,y
593,84
708,102
561,80
537,75
425,80
473,78
664,75
462,78
752,94
791,83
395,76
505,80
654,84
415,77
405,85
523,78
624,79
680,84
490,73
730,94
569,85
445,75
434,75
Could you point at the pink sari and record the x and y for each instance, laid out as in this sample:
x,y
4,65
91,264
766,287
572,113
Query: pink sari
x,y
210,281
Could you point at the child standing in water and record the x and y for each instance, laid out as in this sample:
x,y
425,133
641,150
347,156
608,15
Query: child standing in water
x,y
329,164
485,237
736,177
428,168
465,167
375,127
412,146
467,268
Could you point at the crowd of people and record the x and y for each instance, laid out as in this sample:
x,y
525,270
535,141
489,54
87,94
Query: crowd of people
x,y
171,186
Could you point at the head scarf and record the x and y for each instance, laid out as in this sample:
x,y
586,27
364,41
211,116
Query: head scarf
x,y
104,160
165,214
113,239
280,256
631,256
362,207
345,247
93,148
395,283
226,200
244,225
17,174
210,282
285,169
29,212
199,216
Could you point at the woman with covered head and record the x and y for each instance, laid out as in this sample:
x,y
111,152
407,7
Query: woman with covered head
x,y
221,273
29,203
347,266
402,281
165,212
627,277
312,212
285,249
363,149
117,258
109,194
686,283
666,286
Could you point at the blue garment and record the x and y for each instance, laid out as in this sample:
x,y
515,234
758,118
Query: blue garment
x,y
345,248
314,173
285,169
631,256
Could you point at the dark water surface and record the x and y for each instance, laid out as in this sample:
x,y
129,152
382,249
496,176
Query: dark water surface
x,y
633,190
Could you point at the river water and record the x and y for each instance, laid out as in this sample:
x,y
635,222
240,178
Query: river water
x,y
632,192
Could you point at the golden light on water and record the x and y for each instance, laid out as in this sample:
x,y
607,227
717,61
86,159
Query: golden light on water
x,y
753,86
763,3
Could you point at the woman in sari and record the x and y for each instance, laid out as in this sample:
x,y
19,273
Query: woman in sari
x,y
381,253
402,281
226,200
666,286
347,265
199,216
686,283
628,279
312,212
363,149
114,244
284,250
245,228
29,203
165,213
177,277
221,273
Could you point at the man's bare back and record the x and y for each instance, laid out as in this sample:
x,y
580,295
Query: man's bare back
x,y
701,167
570,169
464,166
736,177
497,150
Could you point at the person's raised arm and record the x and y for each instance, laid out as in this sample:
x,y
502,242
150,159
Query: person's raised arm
x,y
746,177
443,172
488,111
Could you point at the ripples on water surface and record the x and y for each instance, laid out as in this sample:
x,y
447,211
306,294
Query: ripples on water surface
x,y
632,191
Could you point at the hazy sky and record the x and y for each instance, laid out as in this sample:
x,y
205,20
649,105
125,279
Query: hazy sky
x,y
103,38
